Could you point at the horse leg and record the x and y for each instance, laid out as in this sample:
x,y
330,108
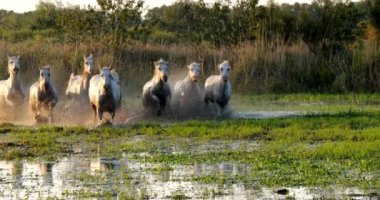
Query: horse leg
x,y
37,113
50,114
14,114
217,109
95,112
100,114
9,102
206,101
113,115
162,104
167,107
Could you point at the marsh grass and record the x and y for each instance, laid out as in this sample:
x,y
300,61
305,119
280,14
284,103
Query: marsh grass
x,y
340,149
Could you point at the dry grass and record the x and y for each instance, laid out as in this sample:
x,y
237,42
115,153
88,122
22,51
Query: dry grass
x,y
261,67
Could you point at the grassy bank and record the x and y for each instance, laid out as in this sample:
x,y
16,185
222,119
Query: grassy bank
x,y
317,150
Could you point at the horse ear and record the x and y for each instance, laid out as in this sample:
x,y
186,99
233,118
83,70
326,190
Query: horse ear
x,y
84,57
91,56
110,68
158,62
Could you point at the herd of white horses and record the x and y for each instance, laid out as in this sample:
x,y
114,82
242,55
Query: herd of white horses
x,y
103,93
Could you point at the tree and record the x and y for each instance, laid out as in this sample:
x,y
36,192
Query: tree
x,y
328,27
123,17
375,13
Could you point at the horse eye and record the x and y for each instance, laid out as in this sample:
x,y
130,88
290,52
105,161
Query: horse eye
x,y
48,74
11,62
228,69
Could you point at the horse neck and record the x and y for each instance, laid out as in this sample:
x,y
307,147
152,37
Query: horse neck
x,y
44,88
188,80
13,80
106,93
86,80
188,76
223,84
157,80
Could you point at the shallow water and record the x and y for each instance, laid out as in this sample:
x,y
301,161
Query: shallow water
x,y
266,114
77,177
85,176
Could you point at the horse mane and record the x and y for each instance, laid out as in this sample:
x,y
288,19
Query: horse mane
x,y
156,77
85,74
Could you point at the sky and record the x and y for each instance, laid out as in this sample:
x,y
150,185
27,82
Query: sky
x,y
28,5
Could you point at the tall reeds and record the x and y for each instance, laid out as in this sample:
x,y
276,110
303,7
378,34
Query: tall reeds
x,y
265,66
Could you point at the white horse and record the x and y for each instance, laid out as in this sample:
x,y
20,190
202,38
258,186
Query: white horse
x,y
104,93
78,85
11,91
218,88
43,96
187,93
156,92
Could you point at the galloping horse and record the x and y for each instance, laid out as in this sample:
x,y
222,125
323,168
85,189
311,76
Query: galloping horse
x,y
187,93
43,96
156,92
218,88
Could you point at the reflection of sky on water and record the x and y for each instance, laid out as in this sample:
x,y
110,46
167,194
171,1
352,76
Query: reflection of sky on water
x,y
44,179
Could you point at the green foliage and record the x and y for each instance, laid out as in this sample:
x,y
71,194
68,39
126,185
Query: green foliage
x,y
318,47
219,24
375,12
122,18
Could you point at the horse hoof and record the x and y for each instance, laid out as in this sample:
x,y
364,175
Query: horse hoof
x,y
104,123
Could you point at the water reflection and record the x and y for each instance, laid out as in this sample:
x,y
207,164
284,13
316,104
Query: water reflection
x,y
104,164
266,114
70,177
45,172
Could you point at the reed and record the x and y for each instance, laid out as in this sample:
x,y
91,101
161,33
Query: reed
x,y
265,66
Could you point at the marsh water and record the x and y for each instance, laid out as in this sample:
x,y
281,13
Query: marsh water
x,y
94,177
79,176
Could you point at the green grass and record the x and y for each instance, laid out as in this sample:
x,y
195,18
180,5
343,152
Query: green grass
x,y
310,103
330,148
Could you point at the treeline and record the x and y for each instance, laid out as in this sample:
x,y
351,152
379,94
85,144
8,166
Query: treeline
x,y
325,46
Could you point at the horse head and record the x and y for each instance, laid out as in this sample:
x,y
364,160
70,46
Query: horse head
x,y
89,65
106,79
224,69
161,70
194,70
13,65
44,80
